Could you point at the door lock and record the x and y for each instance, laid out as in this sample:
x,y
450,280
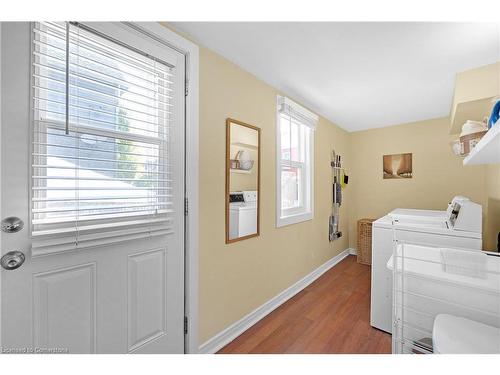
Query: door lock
x,y
12,224
12,260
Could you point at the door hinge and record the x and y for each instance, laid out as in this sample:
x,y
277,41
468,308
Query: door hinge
x,y
186,206
185,325
186,88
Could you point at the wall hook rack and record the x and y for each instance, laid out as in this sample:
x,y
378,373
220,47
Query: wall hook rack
x,y
338,173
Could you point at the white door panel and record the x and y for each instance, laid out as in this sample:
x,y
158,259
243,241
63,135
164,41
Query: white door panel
x,y
64,303
147,281
118,298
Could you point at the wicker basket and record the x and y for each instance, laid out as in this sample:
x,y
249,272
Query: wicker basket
x,y
364,250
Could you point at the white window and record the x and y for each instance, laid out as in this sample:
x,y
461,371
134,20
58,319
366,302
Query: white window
x,y
295,159
101,119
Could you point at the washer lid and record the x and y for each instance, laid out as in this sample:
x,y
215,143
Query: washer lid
x,y
423,226
434,227
455,335
240,206
412,214
235,206
413,218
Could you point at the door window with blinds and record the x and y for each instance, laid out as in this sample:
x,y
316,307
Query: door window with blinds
x,y
294,169
101,119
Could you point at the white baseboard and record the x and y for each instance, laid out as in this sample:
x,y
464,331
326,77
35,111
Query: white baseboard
x,y
352,251
234,330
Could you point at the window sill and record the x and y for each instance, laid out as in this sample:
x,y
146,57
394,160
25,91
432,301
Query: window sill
x,y
293,219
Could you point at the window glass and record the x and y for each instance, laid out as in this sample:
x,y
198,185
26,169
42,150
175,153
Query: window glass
x,y
290,187
113,163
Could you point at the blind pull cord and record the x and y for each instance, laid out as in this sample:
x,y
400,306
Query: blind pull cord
x,y
290,142
67,79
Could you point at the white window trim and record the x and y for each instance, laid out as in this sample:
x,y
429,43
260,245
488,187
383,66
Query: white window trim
x,y
309,214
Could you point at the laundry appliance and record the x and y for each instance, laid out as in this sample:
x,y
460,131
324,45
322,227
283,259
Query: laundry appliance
x,y
242,213
458,226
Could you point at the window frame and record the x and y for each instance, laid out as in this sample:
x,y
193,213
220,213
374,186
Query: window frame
x,y
305,212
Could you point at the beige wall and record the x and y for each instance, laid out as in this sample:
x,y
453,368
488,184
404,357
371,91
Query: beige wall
x,y
438,175
237,278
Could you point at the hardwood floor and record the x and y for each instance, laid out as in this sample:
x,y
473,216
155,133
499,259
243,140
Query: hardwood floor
x,y
332,315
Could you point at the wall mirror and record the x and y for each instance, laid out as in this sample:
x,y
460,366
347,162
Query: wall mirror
x,y
242,180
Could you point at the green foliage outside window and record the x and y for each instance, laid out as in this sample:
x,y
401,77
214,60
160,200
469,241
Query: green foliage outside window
x,y
127,169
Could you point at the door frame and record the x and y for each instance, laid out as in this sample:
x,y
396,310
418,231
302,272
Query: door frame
x,y
1,212
190,50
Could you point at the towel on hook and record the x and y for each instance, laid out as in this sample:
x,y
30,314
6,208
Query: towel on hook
x,y
338,188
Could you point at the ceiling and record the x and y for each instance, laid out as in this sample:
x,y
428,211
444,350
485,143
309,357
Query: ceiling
x,y
357,75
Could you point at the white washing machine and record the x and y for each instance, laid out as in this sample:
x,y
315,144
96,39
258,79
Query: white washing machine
x,y
459,226
242,213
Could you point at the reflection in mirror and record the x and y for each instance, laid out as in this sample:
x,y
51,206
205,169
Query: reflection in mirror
x,y
242,180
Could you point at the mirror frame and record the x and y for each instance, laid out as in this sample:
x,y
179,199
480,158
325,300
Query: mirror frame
x,y
230,121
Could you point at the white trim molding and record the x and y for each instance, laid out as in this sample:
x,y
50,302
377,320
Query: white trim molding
x,y
352,251
234,330
1,212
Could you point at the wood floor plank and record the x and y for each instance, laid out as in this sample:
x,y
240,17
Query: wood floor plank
x,y
332,315
283,337
315,339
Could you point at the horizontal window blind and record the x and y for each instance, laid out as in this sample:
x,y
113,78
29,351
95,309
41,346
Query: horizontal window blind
x,y
289,108
102,114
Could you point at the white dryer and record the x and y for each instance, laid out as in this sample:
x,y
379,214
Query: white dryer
x,y
242,214
458,226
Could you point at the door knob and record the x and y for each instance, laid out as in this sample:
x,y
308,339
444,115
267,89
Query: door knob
x,y
12,260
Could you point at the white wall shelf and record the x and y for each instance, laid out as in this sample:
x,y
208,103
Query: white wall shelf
x,y
487,151
473,110
244,171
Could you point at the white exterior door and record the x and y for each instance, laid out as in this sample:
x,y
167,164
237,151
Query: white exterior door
x,y
96,173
